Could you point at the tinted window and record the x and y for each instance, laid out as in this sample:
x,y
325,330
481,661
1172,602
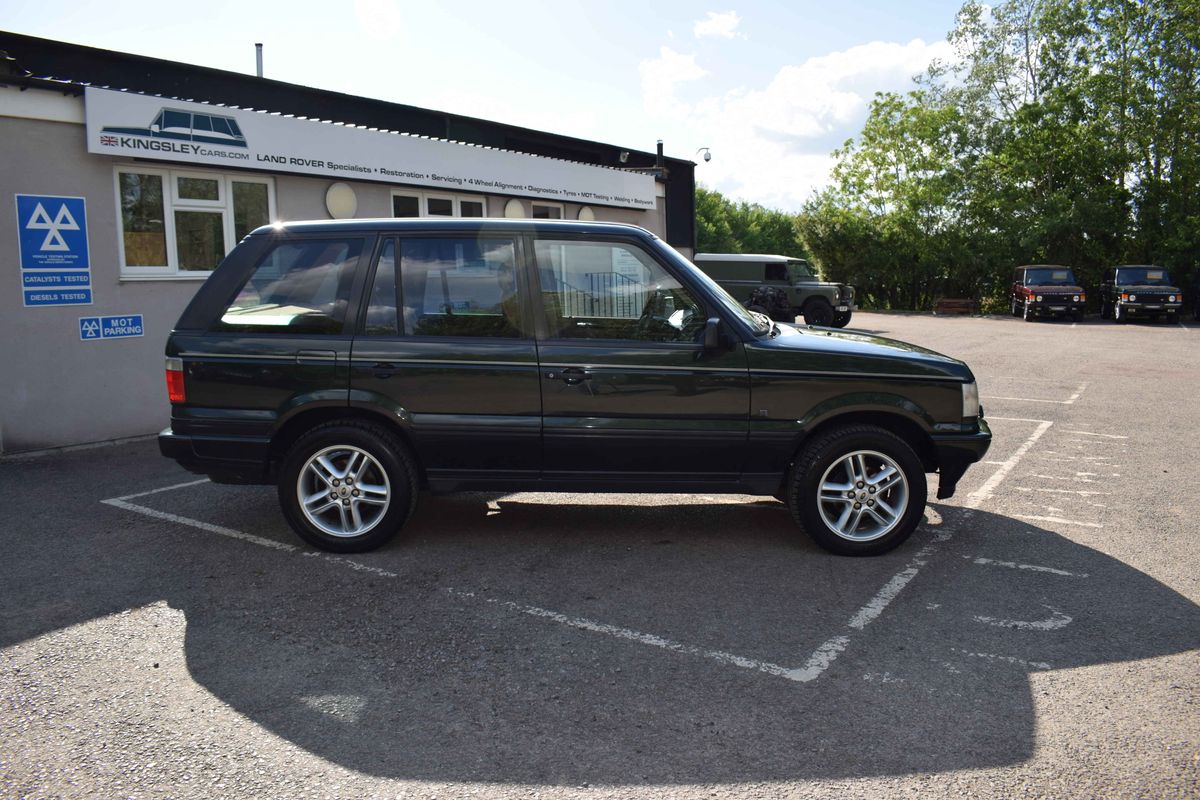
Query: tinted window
x,y
777,272
176,119
1049,276
613,291
459,287
382,315
299,287
1143,275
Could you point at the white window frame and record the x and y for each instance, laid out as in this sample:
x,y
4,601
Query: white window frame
x,y
562,209
423,199
172,203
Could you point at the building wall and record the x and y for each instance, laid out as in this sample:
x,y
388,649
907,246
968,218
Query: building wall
x,y
56,389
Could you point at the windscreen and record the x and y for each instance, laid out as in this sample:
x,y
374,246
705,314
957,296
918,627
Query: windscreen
x,y
1050,276
1143,275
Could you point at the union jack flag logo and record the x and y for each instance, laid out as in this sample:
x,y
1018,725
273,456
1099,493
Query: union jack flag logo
x,y
109,141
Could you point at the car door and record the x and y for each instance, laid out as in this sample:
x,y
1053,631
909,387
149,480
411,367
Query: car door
x,y
446,348
629,393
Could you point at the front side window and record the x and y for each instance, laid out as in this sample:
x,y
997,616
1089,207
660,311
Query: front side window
x,y
301,286
593,290
459,287
175,223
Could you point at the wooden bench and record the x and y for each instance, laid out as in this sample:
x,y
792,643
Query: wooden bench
x,y
956,305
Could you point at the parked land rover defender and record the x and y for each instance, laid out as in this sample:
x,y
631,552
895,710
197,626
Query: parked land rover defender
x,y
781,287
354,363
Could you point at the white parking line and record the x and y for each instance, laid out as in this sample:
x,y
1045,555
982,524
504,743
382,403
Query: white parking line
x,y
1017,419
820,660
1007,659
1059,520
1029,567
1057,621
984,492
632,635
1069,401
1105,435
828,652
1080,492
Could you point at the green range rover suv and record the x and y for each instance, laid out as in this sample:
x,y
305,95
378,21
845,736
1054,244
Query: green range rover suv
x,y
355,363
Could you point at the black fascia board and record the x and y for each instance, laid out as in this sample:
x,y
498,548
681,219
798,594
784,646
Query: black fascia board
x,y
67,64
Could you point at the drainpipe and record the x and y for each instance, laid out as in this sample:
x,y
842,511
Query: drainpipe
x,y
258,56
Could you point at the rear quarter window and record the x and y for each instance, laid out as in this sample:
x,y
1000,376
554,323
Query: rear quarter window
x,y
298,286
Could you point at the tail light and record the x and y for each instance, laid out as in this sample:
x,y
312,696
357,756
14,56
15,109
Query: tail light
x,y
175,390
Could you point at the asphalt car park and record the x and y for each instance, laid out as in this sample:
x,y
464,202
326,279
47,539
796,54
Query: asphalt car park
x,y
162,635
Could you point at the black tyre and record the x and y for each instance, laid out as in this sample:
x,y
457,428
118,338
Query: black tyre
x,y
1077,316
857,490
1016,309
841,319
348,487
818,312
1027,312
1119,315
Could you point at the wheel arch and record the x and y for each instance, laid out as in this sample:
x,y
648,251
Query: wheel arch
x,y
305,419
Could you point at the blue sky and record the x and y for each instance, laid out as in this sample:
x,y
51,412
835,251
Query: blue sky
x,y
771,88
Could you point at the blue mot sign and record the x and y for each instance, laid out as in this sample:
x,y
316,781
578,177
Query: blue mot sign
x,y
53,241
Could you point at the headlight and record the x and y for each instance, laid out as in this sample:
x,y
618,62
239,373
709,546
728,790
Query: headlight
x,y
1133,298
1038,298
970,400
1076,298
1171,299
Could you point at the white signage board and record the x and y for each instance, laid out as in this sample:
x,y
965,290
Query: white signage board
x,y
141,126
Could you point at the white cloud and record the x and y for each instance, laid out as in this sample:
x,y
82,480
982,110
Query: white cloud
x,y
723,25
772,145
660,77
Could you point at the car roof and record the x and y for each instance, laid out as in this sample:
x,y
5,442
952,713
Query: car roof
x,y
451,224
744,257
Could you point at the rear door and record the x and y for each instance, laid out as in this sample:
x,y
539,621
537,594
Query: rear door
x,y
447,349
628,390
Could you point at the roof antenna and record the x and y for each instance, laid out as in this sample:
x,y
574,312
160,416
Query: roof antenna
x,y
258,56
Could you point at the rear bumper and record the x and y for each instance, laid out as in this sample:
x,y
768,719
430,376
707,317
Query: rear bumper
x,y
956,452
241,459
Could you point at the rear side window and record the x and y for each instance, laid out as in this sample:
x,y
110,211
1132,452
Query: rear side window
x,y
300,286
459,287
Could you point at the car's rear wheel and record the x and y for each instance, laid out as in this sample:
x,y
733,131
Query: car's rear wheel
x,y
858,490
348,487
818,312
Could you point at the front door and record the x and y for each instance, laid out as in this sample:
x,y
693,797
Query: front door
x,y
628,390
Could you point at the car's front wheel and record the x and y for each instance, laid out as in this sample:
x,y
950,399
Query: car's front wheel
x,y
348,487
858,490
818,312
841,319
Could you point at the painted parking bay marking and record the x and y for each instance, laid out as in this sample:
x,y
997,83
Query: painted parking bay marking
x,y
116,327
817,663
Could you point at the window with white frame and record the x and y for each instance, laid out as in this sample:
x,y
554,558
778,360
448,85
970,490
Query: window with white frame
x,y
183,222
547,210
436,204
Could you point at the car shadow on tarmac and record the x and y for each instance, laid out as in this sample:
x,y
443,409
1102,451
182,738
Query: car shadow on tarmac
x,y
443,672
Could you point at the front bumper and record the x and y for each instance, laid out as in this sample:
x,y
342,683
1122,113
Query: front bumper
x,y
1056,308
1139,307
956,452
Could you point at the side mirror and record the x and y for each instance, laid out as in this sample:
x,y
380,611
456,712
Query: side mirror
x,y
712,333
